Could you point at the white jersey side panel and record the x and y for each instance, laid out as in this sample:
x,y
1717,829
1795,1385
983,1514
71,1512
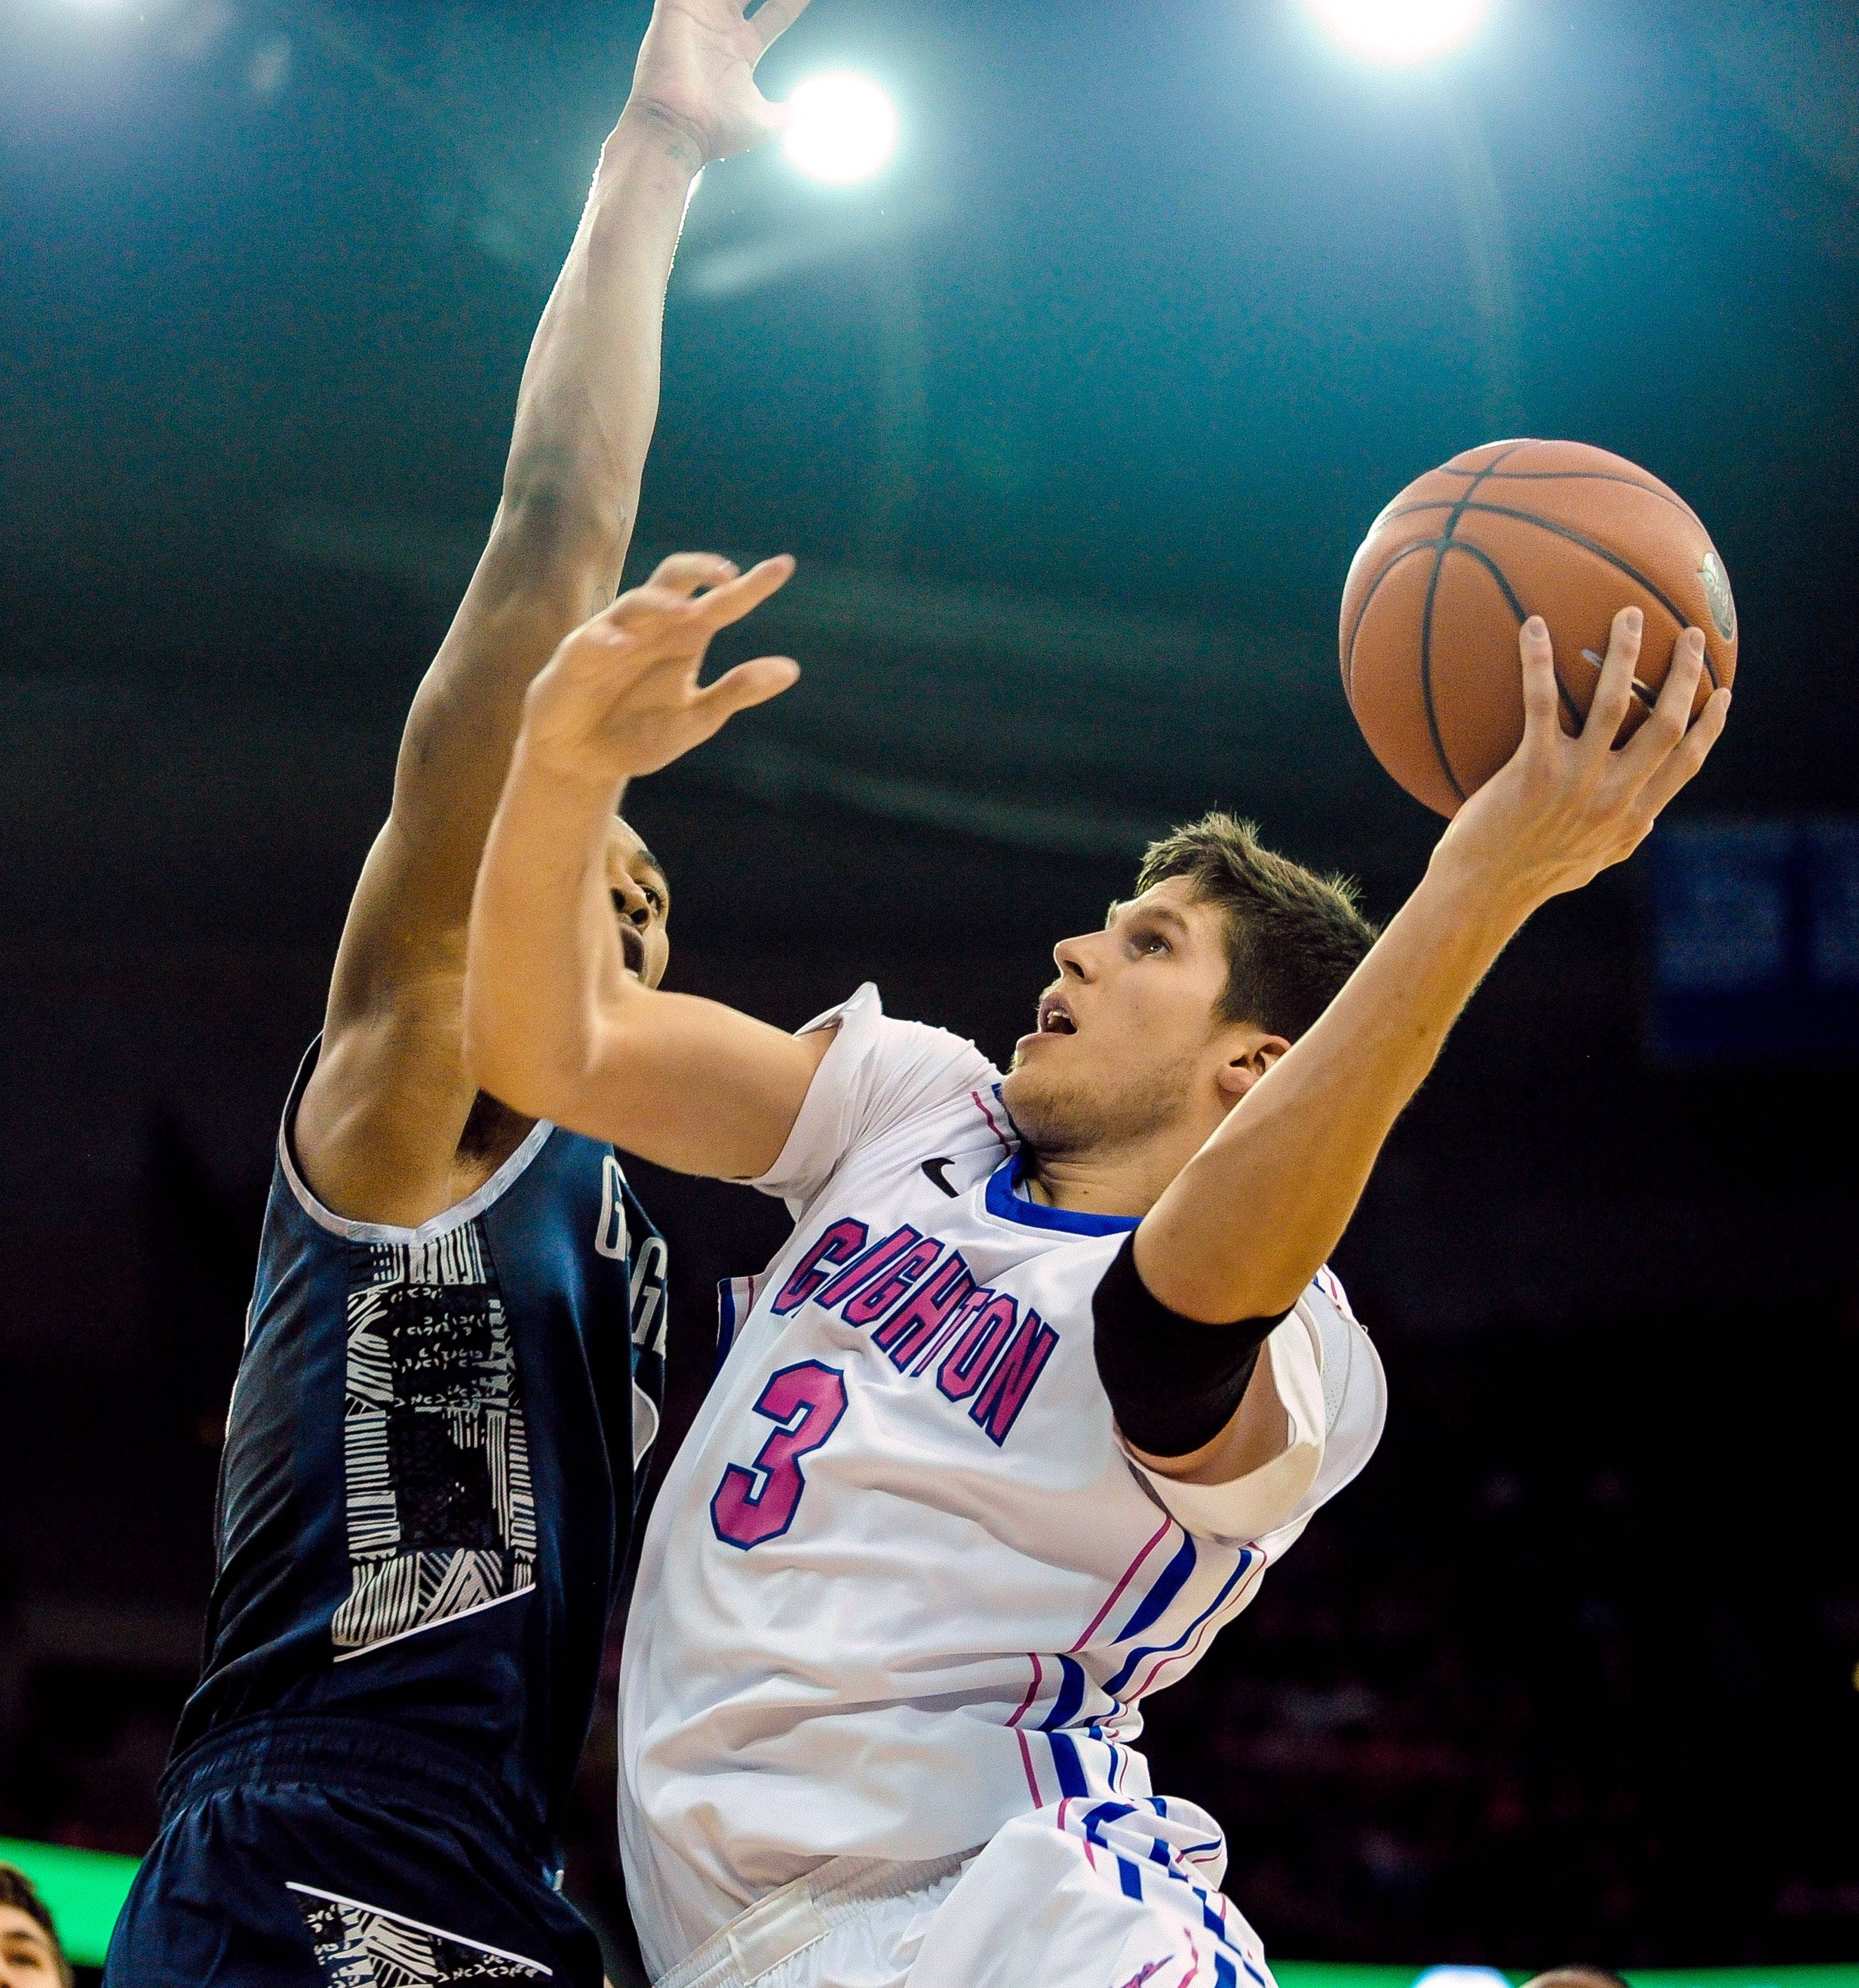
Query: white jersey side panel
x,y
902,1583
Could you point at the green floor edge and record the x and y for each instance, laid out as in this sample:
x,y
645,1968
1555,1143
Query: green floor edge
x,y
85,1888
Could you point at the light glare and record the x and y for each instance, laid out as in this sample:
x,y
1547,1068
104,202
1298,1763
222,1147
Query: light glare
x,y
841,128
1401,31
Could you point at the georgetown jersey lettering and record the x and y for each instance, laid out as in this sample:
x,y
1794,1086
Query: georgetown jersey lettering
x,y
432,1459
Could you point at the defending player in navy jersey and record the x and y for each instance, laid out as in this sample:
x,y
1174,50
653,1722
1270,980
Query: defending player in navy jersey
x,y
1051,1369
454,1352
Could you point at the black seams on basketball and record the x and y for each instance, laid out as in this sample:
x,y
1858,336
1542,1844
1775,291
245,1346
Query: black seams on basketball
x,y
1453,567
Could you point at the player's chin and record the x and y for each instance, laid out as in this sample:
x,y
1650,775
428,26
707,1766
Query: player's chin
x,y
1025,1088
1043,1104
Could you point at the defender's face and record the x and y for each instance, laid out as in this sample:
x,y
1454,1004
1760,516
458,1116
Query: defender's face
x,y
642,903
1127,1035
26,1959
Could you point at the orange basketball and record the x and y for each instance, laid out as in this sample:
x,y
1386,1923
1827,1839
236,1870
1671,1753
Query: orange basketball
x,y
1453,568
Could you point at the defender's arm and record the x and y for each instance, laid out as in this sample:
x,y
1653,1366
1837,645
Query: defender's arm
x,y
381,1121
1248,1222
555,1024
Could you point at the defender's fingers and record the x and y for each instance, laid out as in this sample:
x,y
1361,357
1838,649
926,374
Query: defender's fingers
x,y
747,685
1540,717
1614,692
736,598
684,572
1680,765
636,609
773,18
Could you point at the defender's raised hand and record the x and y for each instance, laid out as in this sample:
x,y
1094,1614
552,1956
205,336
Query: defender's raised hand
x,y
1562,810
696,73
621,697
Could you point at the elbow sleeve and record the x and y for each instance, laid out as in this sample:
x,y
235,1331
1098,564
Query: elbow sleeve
x,y
1173,1382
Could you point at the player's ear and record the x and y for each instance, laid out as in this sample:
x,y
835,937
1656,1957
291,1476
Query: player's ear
x,y
1248,1059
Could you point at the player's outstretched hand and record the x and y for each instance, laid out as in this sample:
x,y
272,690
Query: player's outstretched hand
x,y
621,697
1562,810
696,73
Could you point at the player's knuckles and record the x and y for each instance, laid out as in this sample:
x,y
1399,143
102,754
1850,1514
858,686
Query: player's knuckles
x,y
1680,683
1666,727
649,604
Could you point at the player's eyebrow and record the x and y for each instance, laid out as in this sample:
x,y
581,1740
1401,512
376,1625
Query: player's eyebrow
x,y
644,859
1163,913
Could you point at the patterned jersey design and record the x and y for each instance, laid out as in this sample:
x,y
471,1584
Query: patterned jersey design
x,y
357,1947
441,1514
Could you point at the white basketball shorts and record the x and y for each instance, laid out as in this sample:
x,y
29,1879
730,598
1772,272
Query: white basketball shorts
x,y
1090,1893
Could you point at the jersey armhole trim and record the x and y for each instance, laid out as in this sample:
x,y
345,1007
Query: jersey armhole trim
x,y
473,1206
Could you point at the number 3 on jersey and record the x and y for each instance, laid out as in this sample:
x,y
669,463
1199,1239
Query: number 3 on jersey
x,y
756,1501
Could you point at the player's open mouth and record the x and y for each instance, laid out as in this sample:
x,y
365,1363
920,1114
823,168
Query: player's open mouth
x,y
632,950
1055,1017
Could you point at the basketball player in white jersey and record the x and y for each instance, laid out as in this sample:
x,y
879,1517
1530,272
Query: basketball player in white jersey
x,y
1050,1370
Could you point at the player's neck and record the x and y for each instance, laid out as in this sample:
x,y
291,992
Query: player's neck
x,y
1127,1180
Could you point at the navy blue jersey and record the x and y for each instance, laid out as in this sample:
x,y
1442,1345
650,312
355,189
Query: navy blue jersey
x,y
432,1458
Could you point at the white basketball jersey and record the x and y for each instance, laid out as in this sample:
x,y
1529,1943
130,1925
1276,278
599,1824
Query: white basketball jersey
x,y
903,1582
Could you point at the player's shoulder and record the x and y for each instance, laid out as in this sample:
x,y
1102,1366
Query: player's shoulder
x,y
901,1067
1328,1287
1351,1377
887,1086
867,1030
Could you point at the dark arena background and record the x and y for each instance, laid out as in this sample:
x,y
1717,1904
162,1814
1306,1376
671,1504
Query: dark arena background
x,y
1073,414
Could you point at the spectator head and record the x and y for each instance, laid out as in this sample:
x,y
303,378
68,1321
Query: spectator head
x,y
30,1954
1576,1977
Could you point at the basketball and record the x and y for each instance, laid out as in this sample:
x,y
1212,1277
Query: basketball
x,y
1455,565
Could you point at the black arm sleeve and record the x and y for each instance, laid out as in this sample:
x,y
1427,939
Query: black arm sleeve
x,y
1173,1382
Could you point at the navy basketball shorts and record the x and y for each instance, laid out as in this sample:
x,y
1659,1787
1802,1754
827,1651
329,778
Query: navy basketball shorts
x,y
310,1852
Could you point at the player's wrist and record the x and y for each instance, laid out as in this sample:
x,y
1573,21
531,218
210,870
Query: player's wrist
x,y
577,777
1489,888
661,130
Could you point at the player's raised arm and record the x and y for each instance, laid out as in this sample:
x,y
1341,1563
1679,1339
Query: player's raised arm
x,y
555,1024
381,1118
1244,1227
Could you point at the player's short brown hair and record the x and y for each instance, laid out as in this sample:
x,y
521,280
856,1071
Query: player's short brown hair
x,y
17,1890
1293,937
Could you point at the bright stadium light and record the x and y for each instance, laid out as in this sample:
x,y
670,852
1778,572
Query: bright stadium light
x,y
1401,31
843,128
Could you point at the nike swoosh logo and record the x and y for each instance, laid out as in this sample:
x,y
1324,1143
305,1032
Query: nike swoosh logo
x,y
938,1171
